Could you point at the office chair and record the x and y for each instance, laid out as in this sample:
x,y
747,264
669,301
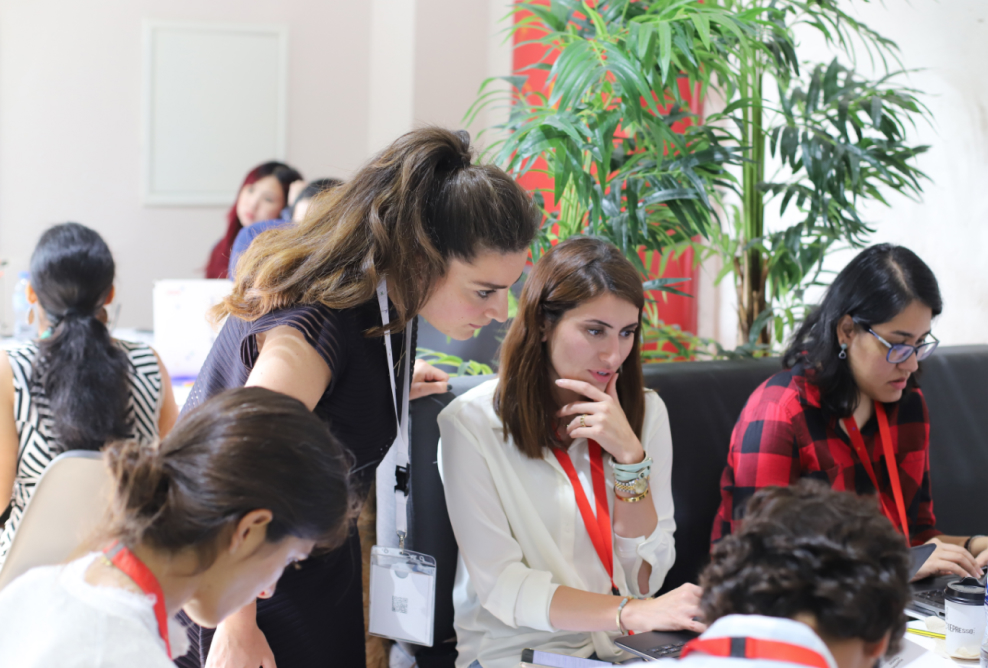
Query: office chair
x,y
69,501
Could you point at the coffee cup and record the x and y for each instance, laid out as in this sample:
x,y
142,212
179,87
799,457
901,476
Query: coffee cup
x,y
964,603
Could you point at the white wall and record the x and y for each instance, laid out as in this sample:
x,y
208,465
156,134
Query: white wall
x,y
70,113
948,41
948,229
70,103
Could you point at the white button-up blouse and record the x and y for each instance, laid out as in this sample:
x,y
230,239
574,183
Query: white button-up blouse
x,y
521,536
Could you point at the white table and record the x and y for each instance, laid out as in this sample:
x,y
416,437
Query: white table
x,y
934,645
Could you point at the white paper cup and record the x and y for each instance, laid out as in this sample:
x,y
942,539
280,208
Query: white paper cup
x,y
964,601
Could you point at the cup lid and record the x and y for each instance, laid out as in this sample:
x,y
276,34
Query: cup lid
x,y
967,591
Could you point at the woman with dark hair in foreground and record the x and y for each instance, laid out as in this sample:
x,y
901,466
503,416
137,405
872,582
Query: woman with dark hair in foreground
x,y
813,577
246,485
848,409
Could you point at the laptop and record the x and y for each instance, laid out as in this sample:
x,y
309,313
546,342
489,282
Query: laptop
x,y
927,597
656,645
927,594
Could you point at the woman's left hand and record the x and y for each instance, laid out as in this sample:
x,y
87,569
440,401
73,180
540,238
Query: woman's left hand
x,y
603,420
426,380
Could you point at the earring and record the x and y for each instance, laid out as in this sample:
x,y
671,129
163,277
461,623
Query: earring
x,y
30,315
843,351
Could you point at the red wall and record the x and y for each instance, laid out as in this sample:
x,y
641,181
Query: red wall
x,y
674,310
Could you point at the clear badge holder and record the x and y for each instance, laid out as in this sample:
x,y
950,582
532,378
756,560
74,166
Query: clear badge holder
x,y
402,582
402,594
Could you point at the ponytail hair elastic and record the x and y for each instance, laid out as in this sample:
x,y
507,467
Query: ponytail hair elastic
x,y
464,138
463,158
69,313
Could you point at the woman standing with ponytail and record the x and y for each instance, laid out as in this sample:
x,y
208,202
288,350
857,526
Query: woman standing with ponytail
x,y
245,486
76,388
419,229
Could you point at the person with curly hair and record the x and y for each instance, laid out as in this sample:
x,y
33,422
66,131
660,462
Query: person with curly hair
x,y
813,577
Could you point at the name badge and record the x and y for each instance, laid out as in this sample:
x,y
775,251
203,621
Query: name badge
x,y
402,594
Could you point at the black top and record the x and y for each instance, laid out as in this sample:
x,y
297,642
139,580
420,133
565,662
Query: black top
x,y
357,405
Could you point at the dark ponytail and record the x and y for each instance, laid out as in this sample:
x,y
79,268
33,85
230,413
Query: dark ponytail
x,y
81,372
244,449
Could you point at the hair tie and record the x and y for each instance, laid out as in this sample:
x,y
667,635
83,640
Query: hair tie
x,y
56,320
464,138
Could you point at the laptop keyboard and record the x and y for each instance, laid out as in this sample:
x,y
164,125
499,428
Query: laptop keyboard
x,y
933,597
666,651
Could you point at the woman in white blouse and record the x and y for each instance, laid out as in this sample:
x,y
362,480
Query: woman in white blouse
x,y
559,550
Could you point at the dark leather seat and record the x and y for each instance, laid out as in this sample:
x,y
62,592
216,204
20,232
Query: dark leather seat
x,y
704,400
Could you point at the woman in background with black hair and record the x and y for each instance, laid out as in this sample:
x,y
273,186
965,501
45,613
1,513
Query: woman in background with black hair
x,y
297,208
262,196
848,409
76,388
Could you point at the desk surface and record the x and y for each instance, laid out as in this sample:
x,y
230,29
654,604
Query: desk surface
x,y
935,645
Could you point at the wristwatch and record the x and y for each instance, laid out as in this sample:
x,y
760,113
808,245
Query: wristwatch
x,y
634,487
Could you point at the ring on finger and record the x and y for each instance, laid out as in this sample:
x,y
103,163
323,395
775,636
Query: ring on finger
x,y
583,421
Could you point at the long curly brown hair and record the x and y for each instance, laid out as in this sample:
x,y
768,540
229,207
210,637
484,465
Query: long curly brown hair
x,y
415,206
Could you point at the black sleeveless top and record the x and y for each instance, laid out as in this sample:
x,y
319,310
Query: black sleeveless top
x,y
356,406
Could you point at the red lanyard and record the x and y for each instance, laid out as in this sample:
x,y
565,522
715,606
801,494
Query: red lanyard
x,y
598,527
885,435
756,648
134,568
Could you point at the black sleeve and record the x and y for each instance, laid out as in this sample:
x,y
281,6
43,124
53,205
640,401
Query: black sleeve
x,y
323,329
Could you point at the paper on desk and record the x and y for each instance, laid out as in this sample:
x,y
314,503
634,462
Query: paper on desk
x,y
912,655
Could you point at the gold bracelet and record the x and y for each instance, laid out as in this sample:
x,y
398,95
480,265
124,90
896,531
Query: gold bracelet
x,y
621,605
632,499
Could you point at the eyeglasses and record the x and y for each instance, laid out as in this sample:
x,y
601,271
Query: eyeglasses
x,y
900,352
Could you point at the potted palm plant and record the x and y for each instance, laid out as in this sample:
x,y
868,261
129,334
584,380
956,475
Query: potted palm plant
x,y
632,159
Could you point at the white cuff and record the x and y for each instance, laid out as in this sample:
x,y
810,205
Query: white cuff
x,y
522,597
626,551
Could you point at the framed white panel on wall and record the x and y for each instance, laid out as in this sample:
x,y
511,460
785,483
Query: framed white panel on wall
x,y
215,105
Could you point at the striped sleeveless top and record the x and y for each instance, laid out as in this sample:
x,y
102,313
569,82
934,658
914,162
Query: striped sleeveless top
x,y
35,430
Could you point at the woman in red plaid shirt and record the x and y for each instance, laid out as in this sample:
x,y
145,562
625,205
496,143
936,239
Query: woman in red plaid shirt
x,y
854,362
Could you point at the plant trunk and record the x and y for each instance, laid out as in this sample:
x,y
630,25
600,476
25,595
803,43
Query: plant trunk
x,y
753,269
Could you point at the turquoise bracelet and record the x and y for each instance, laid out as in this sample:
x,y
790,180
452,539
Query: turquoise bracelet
x,y
632,472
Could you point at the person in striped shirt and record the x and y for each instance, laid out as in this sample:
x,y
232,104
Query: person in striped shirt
x,y
75,387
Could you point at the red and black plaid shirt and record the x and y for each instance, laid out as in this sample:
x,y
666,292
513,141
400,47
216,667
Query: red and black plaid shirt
x,y
784,434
